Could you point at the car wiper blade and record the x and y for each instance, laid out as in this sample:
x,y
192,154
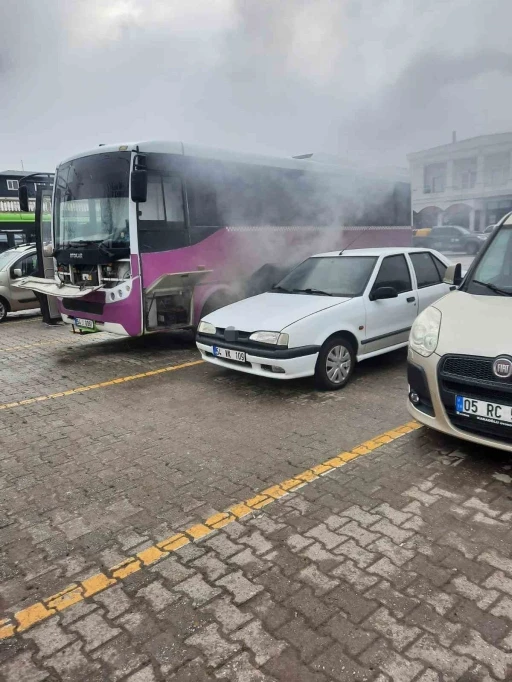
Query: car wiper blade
x,y
284,290
312,291
493,287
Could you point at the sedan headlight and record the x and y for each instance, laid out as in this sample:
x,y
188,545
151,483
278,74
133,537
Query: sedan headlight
x,y
425,332
275,338
206,328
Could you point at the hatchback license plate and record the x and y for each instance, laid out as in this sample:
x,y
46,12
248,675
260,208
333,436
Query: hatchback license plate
x,y
236,355
84,324
483,410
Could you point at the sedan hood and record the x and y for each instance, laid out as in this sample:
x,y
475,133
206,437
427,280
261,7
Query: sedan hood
x,y
271,312
475,325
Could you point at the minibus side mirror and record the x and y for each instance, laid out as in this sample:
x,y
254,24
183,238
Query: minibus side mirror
x,y
139,186
453,275
23,198
17,272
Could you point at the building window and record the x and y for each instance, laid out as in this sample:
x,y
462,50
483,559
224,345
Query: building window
x,y
12,185
438,182
497,168
464,173
468,179
434,178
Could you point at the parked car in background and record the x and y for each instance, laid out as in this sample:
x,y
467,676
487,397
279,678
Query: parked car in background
x,y
490,229
451,238
421,232
15,263
331,311
460,360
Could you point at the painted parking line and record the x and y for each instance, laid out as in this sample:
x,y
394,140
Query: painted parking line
x,y
83,590
103,384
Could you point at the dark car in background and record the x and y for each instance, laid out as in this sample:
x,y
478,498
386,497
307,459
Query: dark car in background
x,y
451,238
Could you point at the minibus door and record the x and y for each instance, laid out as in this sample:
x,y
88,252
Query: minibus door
x,y
44,247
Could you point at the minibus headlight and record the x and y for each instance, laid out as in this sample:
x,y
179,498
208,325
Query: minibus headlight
x,y
206,328
425,332
275,338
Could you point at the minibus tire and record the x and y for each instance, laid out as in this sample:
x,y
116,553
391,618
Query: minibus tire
x,y
328,352
4,309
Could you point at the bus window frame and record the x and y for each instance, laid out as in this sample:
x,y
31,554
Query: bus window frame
x,y
175,225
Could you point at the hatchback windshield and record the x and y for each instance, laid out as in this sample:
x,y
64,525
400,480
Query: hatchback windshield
x,y
7,256
91,201
493,275
332,275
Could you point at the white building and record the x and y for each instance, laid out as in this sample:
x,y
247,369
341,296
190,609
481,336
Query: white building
x,y
466,183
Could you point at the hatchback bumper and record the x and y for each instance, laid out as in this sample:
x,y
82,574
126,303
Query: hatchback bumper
x,y
434,414
292,363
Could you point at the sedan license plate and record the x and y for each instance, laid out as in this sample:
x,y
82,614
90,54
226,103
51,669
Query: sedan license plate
x,y
483,410
84,324
236,355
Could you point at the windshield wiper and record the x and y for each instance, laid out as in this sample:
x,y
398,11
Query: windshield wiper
x,y
93,242
312,291
493,287
82,242
284,290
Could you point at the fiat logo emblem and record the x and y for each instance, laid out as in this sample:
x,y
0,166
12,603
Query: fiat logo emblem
x,y
502,368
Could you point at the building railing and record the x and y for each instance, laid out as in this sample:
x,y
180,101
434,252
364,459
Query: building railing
x,y
13,205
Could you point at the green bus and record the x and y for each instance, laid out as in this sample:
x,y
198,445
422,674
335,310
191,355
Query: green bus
x,y
16,228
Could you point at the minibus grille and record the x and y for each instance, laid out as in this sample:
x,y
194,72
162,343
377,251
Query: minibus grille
x,y
80,306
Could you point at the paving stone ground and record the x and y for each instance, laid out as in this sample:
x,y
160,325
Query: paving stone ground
x,y
395,567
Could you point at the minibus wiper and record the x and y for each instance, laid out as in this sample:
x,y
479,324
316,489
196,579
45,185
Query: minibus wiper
x,y
82,242
493,287
93,242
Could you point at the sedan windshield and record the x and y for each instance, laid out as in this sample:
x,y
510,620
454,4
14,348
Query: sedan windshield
x,y
331,275
91,201
493,274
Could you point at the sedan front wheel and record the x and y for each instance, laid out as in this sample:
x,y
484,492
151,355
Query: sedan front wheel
x,y
335,364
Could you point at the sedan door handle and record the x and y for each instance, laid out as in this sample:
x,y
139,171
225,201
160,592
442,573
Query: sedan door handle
x,y
411,299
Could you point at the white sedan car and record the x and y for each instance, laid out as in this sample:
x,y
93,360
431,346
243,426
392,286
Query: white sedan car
x,y
331,311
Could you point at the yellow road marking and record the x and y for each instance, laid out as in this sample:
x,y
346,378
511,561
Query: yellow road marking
x,y
75,593
103,384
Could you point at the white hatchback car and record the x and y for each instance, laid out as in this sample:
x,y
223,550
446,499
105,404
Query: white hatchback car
x,y
15,263
332,310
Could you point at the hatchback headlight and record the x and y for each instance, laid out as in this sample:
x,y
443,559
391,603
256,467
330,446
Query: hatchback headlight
x,y
425,332
274,338
206,328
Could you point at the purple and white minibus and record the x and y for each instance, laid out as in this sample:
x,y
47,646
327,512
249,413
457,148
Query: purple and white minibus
x,y
153,235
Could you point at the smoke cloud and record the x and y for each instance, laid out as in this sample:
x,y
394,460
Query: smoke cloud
x,y
371,80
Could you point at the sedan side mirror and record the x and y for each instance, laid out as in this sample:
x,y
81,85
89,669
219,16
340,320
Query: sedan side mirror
x,y
453,275
382,293
17,272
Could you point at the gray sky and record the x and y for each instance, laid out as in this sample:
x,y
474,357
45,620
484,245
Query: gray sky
x,y
369,79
